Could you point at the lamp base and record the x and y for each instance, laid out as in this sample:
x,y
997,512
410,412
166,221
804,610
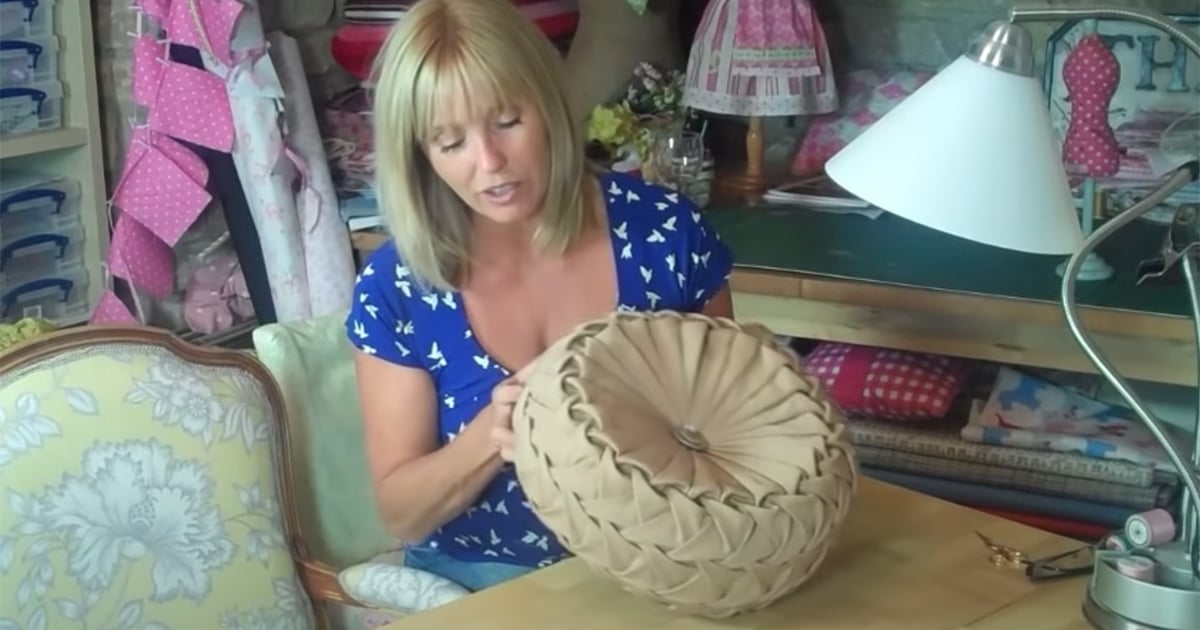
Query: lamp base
x,y
744,187
1167,597
1093,269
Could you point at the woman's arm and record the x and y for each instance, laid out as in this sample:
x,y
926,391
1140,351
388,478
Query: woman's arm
x,y
418,486
721,304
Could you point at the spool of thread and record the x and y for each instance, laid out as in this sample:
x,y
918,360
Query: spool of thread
x,y
1115,542
1151,528
1136,567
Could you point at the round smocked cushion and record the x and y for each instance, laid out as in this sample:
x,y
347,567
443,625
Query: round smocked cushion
x,y
686,457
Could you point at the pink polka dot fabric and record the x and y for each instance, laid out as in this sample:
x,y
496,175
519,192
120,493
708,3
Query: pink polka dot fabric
x,y
189,162
161,196
139,257
110,310
148,57
192,105
218,18
156,9
163,188
143,137
1091,73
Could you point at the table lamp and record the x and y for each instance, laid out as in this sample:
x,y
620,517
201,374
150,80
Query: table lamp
x,y
973,154
752,58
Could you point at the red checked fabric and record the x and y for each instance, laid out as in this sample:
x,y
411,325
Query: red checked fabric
x,y
887,384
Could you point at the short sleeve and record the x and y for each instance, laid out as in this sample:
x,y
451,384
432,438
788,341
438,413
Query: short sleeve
x,y
379,323
708,261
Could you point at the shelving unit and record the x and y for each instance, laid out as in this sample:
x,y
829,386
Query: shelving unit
x,y
75,149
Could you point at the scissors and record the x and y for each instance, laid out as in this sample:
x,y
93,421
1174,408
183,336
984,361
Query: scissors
x,y
1077,561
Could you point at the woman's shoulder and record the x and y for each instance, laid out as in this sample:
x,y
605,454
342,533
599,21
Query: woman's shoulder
x,y
385,278
658,214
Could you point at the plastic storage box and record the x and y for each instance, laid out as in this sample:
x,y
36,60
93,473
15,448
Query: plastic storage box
x,y
60,297
41,249
26,62
31,202
30,109
26,18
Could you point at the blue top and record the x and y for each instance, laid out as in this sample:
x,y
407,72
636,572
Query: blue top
x,y
667,256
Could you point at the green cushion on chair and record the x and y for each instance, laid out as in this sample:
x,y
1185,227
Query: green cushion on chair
x,y
313,364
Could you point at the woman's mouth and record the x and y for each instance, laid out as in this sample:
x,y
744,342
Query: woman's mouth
x,y
501,194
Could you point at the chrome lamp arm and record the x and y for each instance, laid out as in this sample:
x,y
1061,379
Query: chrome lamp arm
x,y
1189,251
1116,600
1048,12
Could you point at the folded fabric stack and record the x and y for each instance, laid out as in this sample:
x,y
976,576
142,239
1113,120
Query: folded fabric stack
x,y
1019,447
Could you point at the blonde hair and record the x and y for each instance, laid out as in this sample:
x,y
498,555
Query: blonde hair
x,y
446,48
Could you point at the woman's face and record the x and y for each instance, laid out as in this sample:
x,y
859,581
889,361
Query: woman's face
x,y
496,161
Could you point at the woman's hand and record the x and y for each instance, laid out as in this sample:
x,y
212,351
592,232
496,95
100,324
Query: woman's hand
x,y
504,400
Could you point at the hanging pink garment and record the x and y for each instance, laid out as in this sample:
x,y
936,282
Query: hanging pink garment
x,y
760,58
216,297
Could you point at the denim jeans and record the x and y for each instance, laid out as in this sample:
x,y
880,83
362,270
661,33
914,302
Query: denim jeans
x,y
473,576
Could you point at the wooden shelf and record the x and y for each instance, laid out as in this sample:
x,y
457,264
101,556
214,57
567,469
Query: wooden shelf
x,y
980,336
43,142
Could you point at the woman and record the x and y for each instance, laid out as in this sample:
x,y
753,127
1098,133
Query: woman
x,y
503,241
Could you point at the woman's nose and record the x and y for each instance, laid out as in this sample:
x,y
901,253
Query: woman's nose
x,y
491,157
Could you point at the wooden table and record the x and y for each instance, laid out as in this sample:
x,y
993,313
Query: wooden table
x,y
903,561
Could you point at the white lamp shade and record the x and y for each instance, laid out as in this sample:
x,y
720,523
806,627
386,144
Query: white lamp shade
x,y
971,153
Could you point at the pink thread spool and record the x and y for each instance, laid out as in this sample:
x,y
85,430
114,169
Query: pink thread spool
x,y
1115,542
1137,567
1147,529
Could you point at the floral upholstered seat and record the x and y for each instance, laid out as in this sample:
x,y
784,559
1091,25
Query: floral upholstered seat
x,y
144,486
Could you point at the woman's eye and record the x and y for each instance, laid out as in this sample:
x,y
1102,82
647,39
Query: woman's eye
x,y
510,123
448,148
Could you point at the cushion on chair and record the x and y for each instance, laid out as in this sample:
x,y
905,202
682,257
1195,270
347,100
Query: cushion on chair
x,y
141,487
386,583
313,362
689,458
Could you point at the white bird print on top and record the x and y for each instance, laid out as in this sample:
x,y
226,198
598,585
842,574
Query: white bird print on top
x,y
402,281
622,231
435,355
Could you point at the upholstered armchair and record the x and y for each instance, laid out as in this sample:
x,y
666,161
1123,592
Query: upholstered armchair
x,y
311,361
145,485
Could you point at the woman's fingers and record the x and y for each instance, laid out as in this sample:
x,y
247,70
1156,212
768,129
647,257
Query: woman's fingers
x,y
505,442
506,394
504,399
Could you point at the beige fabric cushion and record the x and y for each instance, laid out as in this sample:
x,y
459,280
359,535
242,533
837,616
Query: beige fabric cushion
x,y
686,457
